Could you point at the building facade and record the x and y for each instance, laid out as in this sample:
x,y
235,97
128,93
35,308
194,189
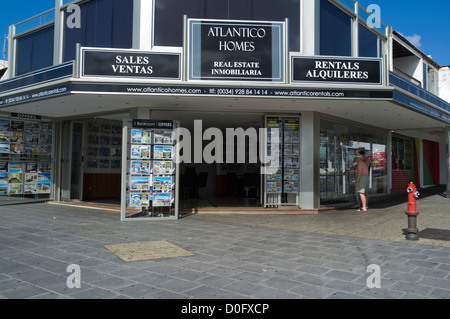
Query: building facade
x,y
95,89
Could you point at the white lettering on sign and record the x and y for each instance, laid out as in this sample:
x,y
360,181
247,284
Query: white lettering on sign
x,y
132,64
236,68
337,70
241,32
237,32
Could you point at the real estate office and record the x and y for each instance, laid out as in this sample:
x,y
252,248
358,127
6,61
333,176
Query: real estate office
x,y
94,91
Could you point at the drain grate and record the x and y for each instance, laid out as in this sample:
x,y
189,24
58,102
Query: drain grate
x,y
433,233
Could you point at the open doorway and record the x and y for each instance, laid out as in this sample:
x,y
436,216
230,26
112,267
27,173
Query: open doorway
x,y
223,183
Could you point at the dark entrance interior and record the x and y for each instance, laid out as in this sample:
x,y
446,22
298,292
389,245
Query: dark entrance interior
x,y
216,185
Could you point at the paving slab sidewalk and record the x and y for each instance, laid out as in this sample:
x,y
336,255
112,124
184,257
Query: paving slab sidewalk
x,y
325,255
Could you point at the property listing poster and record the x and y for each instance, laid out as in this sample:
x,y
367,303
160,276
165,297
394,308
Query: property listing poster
x,y
104,149
151,168
287,136
25,157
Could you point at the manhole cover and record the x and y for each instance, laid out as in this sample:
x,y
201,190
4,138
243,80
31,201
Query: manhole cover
x,y
147,250
437,234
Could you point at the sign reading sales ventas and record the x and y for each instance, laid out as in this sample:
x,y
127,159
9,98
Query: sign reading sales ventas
x,y
336,70
130,64
236,50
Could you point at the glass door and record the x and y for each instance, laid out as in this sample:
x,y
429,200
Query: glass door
x,y
334,155
338,144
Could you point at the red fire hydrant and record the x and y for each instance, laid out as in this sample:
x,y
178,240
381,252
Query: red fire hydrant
x,y
411,232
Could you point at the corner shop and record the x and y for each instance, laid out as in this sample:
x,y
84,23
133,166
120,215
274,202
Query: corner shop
x,y
335,115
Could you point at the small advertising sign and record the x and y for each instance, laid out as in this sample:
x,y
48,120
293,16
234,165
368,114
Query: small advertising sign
x,y
152,124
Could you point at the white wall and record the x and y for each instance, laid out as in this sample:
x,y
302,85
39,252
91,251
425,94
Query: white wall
x,y
444,83
433,81
411,65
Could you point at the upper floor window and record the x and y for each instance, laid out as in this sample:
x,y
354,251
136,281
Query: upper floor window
x,y
335,30
104,23
35,50
169,16
368,43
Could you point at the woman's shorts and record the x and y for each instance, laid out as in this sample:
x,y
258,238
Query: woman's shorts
x,y
363,184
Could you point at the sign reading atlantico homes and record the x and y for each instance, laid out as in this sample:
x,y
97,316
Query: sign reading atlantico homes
x,y
336,70
128,63
236,50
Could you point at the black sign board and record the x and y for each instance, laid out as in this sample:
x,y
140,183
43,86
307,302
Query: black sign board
x,y
26,116
236,50
150,124
130,64
336,70
237,91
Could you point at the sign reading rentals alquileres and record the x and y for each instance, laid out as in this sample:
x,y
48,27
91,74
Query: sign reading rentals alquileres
x,y
338,70
100,62
236,50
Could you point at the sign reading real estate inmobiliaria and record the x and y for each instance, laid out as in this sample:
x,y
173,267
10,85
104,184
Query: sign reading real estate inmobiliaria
x,y
236,50
336,70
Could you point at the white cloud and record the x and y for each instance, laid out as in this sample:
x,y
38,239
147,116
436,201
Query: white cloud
x,y
414,39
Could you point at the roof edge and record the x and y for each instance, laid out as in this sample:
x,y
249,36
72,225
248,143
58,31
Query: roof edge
x,y
423,55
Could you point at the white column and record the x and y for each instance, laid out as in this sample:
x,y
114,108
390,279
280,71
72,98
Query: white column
x,y
310,160
58,27
310,27
142,24
355,32
11,52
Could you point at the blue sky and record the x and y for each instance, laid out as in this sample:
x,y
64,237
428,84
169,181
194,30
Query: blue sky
x,y
425,23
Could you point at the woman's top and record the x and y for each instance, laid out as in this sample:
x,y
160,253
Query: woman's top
x,y
364,171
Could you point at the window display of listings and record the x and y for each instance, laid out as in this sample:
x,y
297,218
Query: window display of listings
x,y
25,157
151,168
104,139
283,147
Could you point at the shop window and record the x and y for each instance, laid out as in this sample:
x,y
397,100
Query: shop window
x,y
368,43
25,158
402,151
335,30
338,144
104,23
403,162
35,50
169,16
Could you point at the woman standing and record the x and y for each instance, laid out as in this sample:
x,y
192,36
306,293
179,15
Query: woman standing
x,y
362,181
366,160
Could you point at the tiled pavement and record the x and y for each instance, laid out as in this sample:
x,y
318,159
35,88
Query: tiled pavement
x,y
235,256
